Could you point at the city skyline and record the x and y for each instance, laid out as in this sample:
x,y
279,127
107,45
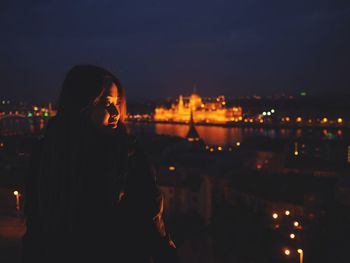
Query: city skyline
x,y
160,49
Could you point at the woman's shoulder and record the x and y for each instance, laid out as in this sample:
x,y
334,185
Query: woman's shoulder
x,y
132,145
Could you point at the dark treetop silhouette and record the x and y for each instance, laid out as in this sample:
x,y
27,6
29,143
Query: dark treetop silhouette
x,y
90,193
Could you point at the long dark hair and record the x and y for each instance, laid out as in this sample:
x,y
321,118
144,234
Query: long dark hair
x,y
66,142
82,85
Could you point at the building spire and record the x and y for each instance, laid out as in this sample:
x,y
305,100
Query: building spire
x,y
194,91
192,134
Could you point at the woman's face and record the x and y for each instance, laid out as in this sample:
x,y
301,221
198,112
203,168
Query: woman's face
x,y
106,108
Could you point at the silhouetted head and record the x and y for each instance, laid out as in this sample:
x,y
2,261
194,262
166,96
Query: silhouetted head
x,y
92,92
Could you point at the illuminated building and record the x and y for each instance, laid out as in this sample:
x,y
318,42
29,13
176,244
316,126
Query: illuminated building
x,y
214,111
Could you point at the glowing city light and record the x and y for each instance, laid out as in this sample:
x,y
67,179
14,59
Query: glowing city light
x,y
264,113
15,193
287,212
287,252
238,144
272,110
292,236
275,215
340,120
296,223
172,168
219,148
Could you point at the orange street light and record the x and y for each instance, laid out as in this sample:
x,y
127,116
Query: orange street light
x,y
17,194
287,212
296,223
172,168
301,255
275,215
287,252
292,236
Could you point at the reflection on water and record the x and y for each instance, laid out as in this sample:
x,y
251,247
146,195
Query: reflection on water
x,y
170,129
211,135
215,135
19,125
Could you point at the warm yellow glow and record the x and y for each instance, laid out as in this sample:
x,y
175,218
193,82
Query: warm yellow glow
x,y
35,108
275,215
296,223
172,168
211,149
15,193
299,119
287,212
219,148
292,236
340,120
324,120
300,251
238,144
287,119
296,153
208,112
287,252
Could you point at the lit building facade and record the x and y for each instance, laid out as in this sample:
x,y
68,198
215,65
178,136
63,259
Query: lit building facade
x,y
214,111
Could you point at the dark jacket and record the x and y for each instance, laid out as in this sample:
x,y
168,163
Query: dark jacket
x,y
93,198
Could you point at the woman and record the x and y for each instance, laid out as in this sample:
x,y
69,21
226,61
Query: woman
x,y
90,194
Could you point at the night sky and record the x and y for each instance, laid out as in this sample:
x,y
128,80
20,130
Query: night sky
x,y
162,48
